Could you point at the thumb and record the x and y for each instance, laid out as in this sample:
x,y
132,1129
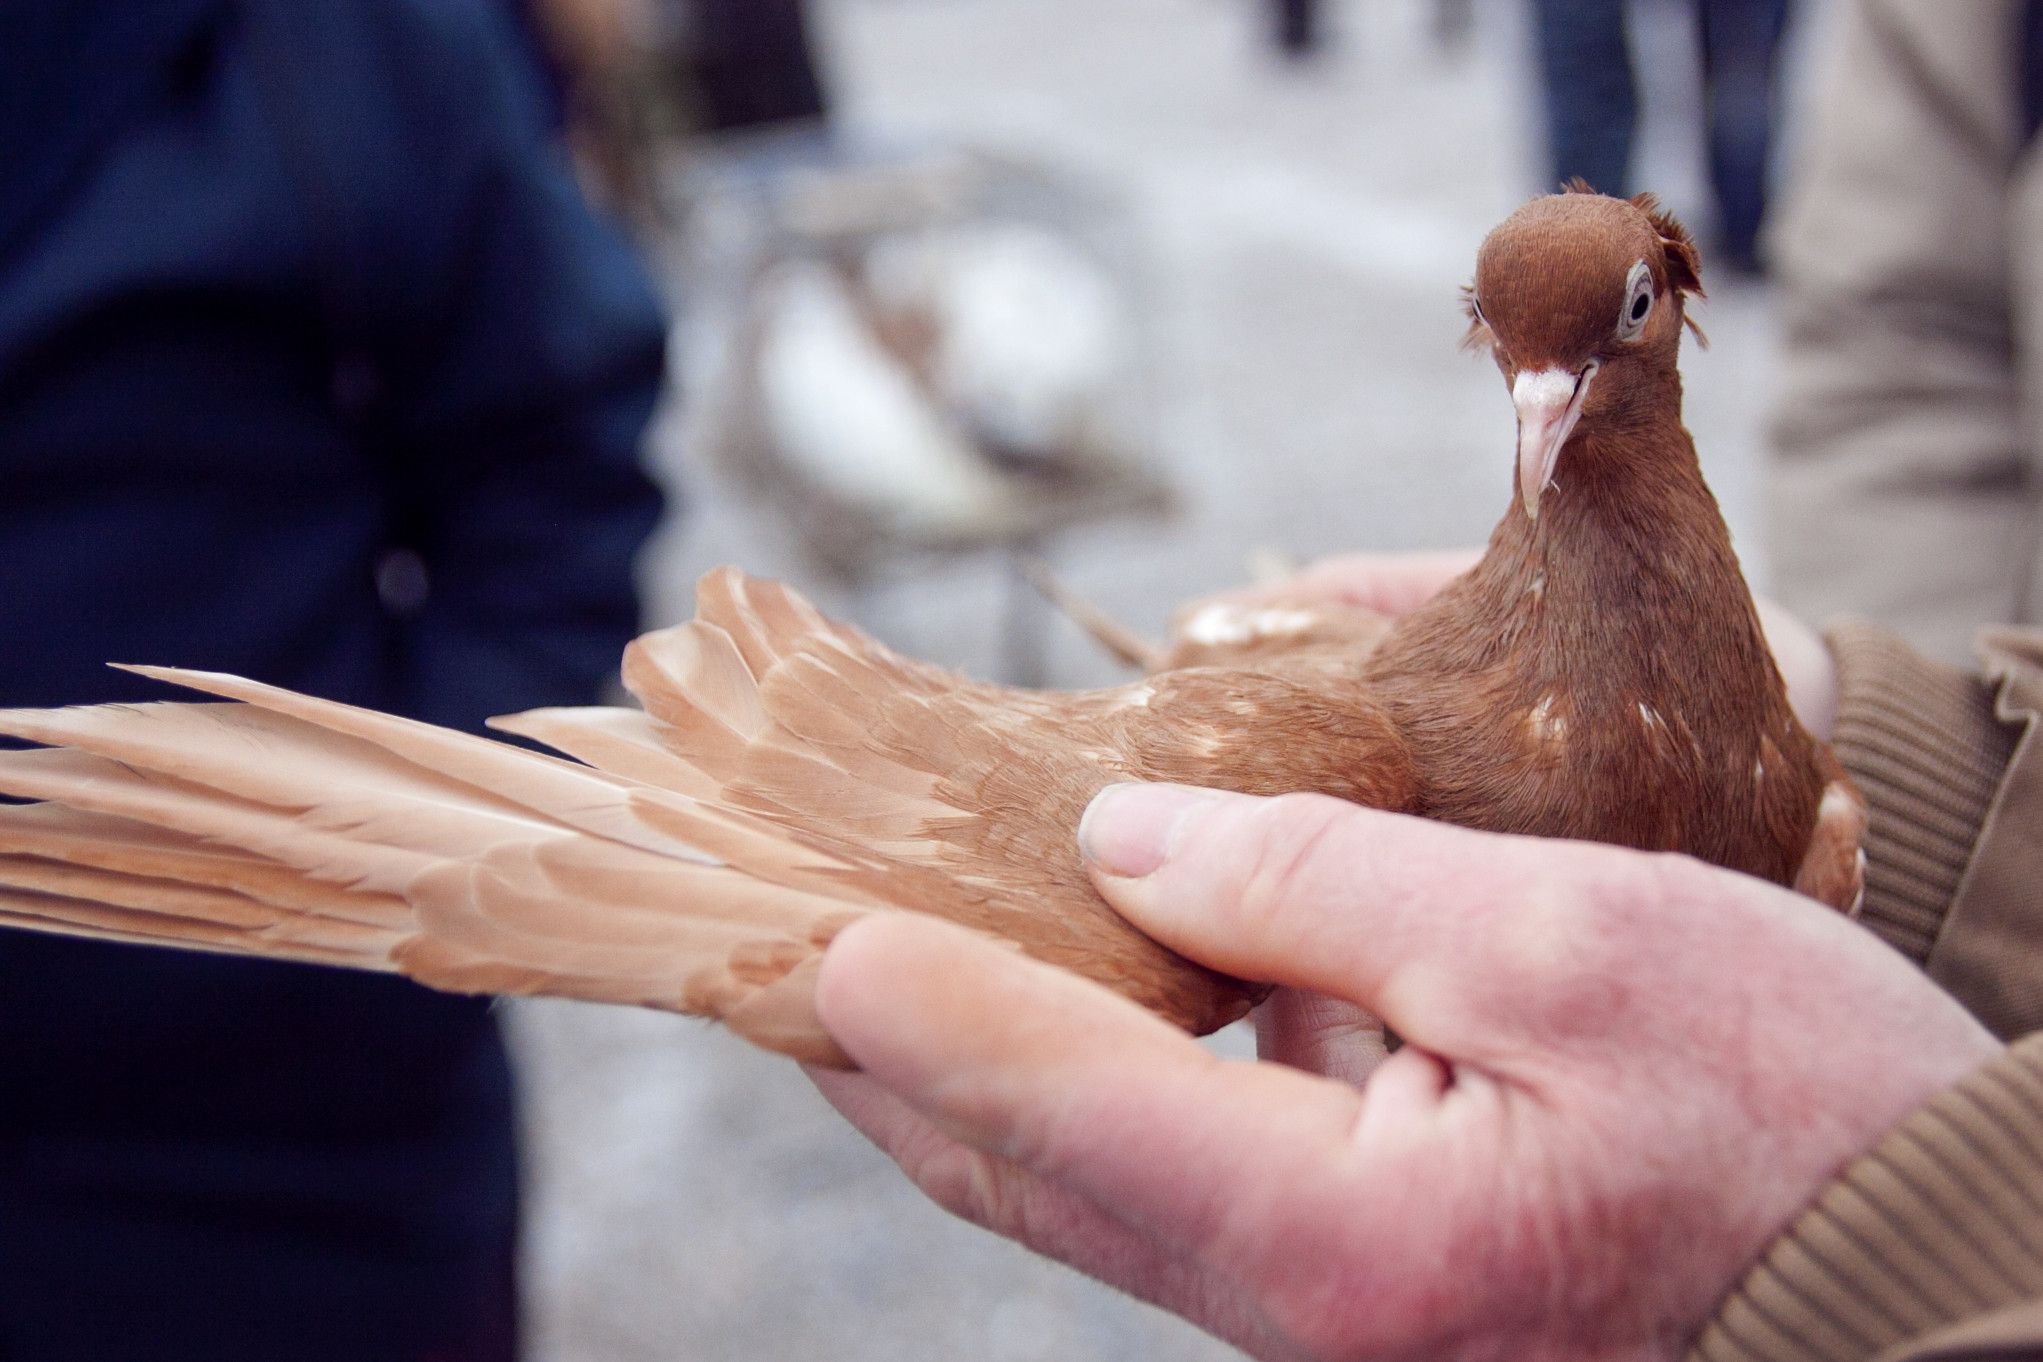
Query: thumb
x,y
1440,931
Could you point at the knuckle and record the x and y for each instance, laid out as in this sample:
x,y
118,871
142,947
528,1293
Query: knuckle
x,y
1583,936
973,1185
1632,885
1296,839
1586,883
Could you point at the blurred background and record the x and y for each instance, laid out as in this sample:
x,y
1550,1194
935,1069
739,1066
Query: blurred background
x,y
316,364
1280,228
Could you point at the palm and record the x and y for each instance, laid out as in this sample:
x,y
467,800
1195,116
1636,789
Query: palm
x,y
1623,1074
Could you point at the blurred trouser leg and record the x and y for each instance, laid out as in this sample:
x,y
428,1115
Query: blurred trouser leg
x,y
1740,41
1591,104
753,63
1298,27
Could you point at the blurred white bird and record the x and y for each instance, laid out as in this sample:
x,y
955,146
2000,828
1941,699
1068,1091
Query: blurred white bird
x,y
952,385
938,354
1029,339
848,416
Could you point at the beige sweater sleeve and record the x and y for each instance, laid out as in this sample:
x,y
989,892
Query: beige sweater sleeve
x,y
1947,762
1931,1246
1928,1247
1899,487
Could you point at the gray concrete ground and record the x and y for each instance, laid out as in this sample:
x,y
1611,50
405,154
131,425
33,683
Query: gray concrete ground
x,y
1304,232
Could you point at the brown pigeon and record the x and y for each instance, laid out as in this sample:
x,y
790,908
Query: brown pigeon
x,y
1600,673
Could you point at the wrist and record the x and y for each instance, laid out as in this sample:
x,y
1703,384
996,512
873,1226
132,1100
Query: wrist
x,y
1910,1237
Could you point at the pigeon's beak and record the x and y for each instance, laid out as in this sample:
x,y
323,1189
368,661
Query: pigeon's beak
x,y
1549,402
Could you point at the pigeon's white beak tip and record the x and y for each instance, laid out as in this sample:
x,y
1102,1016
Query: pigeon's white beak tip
x,y
1549,402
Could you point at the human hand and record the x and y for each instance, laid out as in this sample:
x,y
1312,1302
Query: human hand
x,y
1398,583
1806,666
1394,583
1622,1076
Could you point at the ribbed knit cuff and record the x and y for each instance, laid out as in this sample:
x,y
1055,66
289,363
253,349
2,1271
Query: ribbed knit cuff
x,y
1921,740
1934,1226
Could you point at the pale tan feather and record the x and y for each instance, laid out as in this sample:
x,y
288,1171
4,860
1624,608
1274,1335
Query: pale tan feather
x,y
787,774
625,742
97,921
361,854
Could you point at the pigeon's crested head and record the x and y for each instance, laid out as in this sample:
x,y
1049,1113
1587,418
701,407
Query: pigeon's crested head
x,y
1577,276
1581,298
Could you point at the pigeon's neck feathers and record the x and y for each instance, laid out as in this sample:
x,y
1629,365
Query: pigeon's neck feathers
x,y
1629,553
1628,497
1601,673
1629,562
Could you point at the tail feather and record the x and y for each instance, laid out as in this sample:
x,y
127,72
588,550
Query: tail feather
x,y
624,742
694,682
786,776
123,846
306,830
143,893
575,795
98,785
758,616
318,941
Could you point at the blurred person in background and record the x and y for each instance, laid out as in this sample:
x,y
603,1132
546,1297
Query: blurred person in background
x,y
1909,434
1590,86
314,367
753,64
634,77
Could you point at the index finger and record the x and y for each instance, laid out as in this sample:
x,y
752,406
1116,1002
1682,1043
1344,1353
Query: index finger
x,y
1043,1068
1393,583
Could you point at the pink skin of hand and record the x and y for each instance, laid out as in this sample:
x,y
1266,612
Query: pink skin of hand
x,y
1622,1076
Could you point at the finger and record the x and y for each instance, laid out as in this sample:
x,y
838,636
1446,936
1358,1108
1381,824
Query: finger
x,y
1321,1035
1805,665
984,1188
1440,931
1007,1198
1393,583
1047,1071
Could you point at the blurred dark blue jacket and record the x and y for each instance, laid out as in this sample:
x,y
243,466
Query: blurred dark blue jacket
x,y
295,297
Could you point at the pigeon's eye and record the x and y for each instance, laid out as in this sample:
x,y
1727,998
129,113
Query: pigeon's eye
x,y
1638,303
